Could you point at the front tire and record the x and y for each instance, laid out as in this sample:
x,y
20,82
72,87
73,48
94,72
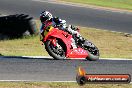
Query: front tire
x,y
56,53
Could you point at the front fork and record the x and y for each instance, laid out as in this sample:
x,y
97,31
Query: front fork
x,y
54,42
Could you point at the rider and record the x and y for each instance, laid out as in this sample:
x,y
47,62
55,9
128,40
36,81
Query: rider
x,y
46,16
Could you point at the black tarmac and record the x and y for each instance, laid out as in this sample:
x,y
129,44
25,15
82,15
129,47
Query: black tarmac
x,y
44,69
79,16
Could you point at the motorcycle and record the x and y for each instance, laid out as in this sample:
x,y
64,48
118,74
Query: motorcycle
x,y
58,44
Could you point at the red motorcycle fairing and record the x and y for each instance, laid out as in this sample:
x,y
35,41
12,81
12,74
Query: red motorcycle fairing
x,y
77,53
55,33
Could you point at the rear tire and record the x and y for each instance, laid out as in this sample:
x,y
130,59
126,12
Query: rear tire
x,y
92,57
93,51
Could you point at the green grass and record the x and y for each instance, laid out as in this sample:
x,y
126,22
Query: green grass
x,y
111,45
121,4
22,47
58,85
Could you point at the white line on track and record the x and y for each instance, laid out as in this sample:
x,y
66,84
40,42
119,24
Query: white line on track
x,y
38,81
31,81
77,58
49,57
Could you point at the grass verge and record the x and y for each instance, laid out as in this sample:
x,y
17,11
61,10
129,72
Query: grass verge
x,y
110,44
120,4
59,85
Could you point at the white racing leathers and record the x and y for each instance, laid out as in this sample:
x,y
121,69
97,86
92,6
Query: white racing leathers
x,y
73,32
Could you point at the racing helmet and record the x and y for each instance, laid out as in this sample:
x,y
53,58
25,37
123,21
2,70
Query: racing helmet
x,y
45,15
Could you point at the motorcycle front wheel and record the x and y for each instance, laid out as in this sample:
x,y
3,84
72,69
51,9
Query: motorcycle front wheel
x,y
57,52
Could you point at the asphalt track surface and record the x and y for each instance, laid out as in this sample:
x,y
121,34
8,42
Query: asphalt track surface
x,y
104,19
43,69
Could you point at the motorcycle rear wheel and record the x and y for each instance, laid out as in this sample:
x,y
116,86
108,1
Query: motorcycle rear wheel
x,y
93,52
93,57
57,54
